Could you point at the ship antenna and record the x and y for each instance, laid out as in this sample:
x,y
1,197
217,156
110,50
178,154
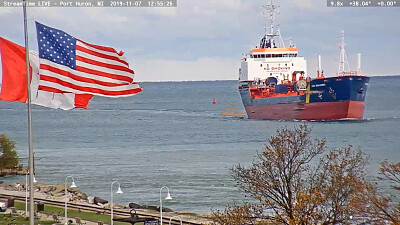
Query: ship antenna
x,y
271,11
343,58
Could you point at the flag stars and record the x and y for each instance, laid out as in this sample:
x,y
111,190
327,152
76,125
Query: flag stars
x,y
57,46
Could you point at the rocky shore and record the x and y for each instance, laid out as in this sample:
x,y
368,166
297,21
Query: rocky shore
x,y
15,171
57,193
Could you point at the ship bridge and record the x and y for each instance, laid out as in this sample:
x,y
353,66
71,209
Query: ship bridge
x,y
273,52
281,63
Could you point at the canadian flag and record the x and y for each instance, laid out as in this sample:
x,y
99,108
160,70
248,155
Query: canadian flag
x,y
13,85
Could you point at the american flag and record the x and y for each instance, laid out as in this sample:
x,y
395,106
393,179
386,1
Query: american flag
x,y
70,65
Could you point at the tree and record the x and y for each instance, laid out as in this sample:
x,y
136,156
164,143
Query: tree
x,y
298,180
381,206
8,154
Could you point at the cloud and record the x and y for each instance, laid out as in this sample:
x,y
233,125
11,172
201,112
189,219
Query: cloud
x,y
174,70
220,30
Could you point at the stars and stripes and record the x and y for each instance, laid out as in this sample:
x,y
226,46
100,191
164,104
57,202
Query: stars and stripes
x,y
71,65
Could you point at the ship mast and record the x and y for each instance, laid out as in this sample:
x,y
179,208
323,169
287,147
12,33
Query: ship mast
x,y
270,33
343,58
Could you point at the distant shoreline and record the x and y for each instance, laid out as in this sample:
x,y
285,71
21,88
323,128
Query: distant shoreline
x,y
181,81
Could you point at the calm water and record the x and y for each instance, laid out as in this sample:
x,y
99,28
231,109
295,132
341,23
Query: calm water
x,y
172,135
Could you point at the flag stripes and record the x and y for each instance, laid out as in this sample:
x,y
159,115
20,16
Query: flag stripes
x,y
71,65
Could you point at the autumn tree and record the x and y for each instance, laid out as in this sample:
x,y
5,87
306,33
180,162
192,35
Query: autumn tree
x,y
8,154
298,180
382,208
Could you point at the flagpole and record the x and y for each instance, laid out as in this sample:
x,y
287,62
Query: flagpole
x,y
31,189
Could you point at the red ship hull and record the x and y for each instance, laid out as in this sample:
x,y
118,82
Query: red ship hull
x,y
311,111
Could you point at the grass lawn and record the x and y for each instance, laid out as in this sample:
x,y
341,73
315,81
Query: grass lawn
x,y
7,219
50,210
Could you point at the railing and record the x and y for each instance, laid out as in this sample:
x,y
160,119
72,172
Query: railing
x,y
100,210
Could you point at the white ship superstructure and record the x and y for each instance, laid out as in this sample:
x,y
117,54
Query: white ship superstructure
x,y
271,58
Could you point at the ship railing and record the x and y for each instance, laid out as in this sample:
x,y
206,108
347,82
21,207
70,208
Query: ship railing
x,y
349,73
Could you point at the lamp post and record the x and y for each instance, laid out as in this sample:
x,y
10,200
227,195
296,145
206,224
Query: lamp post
x,y
175,217
66,197
119,191
166,198
26,191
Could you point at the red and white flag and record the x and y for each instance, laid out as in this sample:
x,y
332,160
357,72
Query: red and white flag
x,y
71,65
13,85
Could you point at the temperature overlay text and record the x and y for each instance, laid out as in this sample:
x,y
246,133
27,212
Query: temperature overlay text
x,y
364,3
89,3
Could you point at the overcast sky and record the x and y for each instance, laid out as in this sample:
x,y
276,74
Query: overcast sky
x,y
205,39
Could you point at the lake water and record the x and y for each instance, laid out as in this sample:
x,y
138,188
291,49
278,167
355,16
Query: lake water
x,y
172,135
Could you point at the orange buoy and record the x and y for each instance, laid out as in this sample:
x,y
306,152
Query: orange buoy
x,y
214,101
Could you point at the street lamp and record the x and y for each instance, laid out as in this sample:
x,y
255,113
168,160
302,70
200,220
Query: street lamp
x,y
119,191
166,198
66,197
26,191
175,217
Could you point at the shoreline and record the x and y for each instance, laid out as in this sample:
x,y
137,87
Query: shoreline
x,y
55,193
13,172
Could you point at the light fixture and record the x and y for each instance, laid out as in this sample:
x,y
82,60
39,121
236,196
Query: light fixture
x,y
119,191
166,198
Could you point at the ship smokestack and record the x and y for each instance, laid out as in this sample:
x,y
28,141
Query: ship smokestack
x,y
319,66
319,63
359,64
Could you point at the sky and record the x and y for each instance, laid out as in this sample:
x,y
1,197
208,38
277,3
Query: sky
x,y
205,39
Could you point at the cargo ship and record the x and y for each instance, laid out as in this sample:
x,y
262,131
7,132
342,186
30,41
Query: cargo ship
x,y
274,83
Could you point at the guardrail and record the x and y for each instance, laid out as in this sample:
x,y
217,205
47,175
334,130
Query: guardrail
x,y
98,209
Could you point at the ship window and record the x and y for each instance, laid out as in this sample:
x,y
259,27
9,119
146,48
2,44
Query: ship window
x,y
255,56
292,64
273,55
280,55
268,56
285,64
285,55
260,65
295,55
279,64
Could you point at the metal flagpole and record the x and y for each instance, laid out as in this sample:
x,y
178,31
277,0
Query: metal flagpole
x,y
28,77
